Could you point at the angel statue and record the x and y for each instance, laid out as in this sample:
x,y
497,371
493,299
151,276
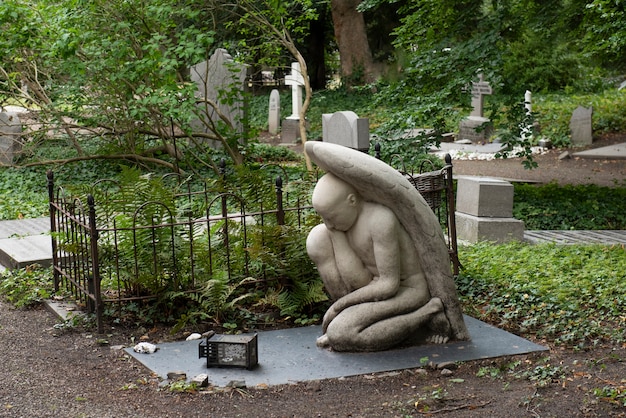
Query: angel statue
x,y
381,255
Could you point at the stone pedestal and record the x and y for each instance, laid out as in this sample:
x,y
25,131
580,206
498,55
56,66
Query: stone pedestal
x,y
484,211
290,131
475,229
468,129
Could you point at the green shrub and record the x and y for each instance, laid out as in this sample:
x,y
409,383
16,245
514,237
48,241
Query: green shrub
x,y
554,207
27,286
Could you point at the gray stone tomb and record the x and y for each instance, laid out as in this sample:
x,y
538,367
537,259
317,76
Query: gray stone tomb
x,y
471,128
214,77
273,121
484,211
347,129
580,126
10,137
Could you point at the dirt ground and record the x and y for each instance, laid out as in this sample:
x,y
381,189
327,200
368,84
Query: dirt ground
x,y
572,170
51,371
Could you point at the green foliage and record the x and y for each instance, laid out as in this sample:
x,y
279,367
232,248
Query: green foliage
x,y
27,286
614,394
571,295
554,207
554,112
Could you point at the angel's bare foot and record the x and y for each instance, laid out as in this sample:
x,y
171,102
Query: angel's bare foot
x,y
323,342
440,327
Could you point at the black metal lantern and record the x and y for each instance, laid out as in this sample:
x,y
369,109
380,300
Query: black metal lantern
x,y
223,350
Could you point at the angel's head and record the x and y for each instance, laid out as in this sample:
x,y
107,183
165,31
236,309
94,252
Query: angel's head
x,y
337,202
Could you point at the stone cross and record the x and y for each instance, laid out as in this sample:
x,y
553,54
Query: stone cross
x,y
296,81
347,129
273,120
479,90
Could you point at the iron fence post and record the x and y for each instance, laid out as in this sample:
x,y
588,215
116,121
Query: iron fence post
x,y
53,228
280,212
94,278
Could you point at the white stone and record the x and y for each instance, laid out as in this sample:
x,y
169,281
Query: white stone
x,y
193,336
273,120
145,348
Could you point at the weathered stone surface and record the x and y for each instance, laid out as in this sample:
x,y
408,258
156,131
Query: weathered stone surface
x,y
273,120
580,126
10,137
475,229
347,129
213,78
485,197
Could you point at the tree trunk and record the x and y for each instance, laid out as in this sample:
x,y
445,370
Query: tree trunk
x,y
357,64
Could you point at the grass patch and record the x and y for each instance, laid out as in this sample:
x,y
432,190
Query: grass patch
x,y
572,295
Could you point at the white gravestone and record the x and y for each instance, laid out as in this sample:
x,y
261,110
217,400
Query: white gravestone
x,y
291,125
214,77
10,137
527,129
476,127
580,126
274,112
347,129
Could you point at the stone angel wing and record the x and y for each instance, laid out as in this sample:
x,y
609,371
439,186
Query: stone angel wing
x,y
378,182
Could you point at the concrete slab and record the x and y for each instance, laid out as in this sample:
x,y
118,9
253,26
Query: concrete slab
x,y
611,152
23,251
608,237
290,355
24,227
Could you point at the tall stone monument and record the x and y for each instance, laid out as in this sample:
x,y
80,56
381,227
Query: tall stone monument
x,y
291,125
476,127
218,79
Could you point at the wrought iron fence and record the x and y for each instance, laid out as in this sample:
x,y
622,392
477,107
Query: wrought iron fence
x,y
105,252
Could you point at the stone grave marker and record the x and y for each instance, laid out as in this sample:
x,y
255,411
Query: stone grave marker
x,y
291,125
274,112
214,77
10,137
484,211
468,126
347,129
580,126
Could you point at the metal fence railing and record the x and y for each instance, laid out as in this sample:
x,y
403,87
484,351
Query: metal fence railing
x,y
103,255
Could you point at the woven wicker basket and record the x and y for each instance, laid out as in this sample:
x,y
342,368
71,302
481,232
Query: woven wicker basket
x,y
430,185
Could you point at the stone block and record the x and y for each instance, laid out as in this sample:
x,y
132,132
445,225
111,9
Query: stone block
x,y
484,196
475,129
500,230
290,131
